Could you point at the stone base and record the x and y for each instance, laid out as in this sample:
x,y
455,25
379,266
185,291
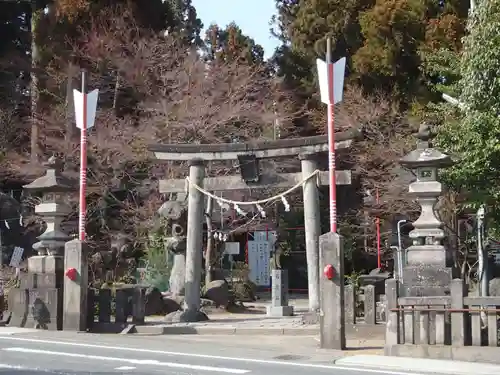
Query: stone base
x,y
188,316
36,308
45,264
476,354
76,313
278,311
310,317
431,255
426,280
41,280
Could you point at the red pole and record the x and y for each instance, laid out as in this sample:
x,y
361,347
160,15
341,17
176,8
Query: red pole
x,y
379,260
331,140
246,248
83,162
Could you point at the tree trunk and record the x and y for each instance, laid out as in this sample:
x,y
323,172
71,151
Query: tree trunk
x,y
117,92
70,105
210,241
34,89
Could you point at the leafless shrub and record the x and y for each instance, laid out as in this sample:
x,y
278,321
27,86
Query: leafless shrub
x,y
152,88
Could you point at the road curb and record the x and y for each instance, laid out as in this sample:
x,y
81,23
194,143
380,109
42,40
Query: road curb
x,y
10,331
419,365
190,330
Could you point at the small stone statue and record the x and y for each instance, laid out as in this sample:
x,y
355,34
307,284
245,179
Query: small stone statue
x,y
176,243
40,314
424,131
120,244
175,212
276,256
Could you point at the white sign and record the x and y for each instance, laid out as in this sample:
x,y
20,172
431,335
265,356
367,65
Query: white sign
x,y
231,248
17,255
265,235
91,108
258,262
338,80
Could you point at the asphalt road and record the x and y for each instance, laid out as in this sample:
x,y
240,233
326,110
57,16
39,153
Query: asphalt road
x,y
36,354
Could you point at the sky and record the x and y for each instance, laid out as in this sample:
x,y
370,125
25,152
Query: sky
x,y
252,16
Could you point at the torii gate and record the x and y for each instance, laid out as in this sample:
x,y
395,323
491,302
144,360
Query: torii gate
x,y
306,148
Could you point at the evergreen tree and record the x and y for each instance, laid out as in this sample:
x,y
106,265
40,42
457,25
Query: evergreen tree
x,y
14,60
230,44
385,42
475,139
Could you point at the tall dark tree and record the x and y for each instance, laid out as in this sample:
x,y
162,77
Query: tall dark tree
x,y
14,60
230,44
474,137
384,41
304,26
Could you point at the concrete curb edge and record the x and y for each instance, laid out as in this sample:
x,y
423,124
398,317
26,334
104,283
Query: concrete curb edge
x,y
420,365
187,330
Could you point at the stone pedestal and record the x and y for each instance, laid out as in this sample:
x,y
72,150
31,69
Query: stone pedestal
x,y
332,312
75,292
423,280
279,295
38,303
45,264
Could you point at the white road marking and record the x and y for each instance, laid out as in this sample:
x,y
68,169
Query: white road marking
x,y
124,368
207,356
12,367
152,362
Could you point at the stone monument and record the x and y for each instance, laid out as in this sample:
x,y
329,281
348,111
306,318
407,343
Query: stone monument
x,y
279,286
44,281
426,272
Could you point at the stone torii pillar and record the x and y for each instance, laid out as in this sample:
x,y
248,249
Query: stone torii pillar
x,y
312,225
194,243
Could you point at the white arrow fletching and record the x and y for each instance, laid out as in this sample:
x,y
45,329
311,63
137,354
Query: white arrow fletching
x,y
338,80
91,108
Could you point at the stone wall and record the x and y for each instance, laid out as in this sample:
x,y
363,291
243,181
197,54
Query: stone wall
x,y
364,305
456,326
37,301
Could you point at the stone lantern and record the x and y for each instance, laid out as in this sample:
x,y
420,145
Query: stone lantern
x,y
53,208
425,272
